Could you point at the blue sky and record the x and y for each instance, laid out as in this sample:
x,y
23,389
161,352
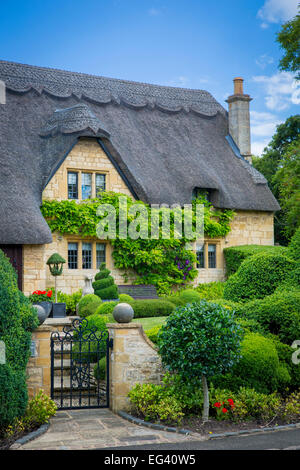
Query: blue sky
x,y
189,43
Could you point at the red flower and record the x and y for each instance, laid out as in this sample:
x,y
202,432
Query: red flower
x,y
49,293
224,410
230,401
217,405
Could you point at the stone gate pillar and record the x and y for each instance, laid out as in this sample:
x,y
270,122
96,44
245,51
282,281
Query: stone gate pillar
x,y
133,359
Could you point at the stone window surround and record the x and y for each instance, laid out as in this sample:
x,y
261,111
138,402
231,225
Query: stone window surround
x,y
79,242
207,242
79,180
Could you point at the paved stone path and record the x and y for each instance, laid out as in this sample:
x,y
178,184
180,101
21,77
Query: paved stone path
x,y
96,429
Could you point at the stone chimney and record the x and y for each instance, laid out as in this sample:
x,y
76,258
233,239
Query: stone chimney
x,y
239,118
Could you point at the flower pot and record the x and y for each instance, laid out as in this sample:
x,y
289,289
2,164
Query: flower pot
x,y
59,310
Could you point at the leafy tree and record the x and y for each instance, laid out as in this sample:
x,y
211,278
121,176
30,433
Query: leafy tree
x,y
200,340
272,161
289,40
287,183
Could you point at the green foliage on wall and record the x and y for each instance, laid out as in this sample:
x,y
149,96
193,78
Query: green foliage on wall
x,y
155,261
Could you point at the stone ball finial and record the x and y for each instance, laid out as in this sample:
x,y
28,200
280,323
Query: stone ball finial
x,y
123,313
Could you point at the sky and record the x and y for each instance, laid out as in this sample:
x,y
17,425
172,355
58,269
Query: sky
x,y
198,44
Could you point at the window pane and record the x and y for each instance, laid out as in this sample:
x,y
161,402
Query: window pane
x,y
86,185
72,255
200,256
86,256
100,183
72,185
100,254
212,249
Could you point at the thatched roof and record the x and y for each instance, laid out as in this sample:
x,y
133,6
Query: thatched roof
x,y
164,141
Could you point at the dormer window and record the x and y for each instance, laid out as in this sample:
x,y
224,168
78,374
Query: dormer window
x,y
202,192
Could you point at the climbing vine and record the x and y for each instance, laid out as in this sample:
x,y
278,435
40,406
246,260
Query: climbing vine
x,y
162,262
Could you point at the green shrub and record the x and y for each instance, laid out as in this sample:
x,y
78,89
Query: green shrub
x,y
17,319
257,277
104,284
125,298
174,299
190,396
259,367
106,309
291,410
153,403
13,395
189,296
235,255
71,300
152,333
211,290
248,404
100,369
88,304
293,250
152,308
285,352
229,304
39,410
278,314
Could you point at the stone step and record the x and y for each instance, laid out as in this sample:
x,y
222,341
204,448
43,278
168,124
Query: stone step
x,y
66,385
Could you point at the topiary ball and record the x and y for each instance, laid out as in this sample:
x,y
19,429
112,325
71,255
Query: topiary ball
x,y
88,305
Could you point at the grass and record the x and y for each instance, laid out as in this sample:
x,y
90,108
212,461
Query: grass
x,y
148,323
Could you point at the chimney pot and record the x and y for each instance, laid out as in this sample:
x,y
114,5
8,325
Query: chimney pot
x,y
238,86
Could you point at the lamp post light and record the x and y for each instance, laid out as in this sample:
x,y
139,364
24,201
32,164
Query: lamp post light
x,y
55,263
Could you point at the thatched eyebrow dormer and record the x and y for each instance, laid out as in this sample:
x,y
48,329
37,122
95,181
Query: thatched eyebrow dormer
x,y
166,141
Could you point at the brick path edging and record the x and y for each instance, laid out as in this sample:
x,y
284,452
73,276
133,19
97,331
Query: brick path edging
x,y
29,437
141,422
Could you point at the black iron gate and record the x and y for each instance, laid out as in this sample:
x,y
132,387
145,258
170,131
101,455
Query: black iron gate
x,y
77,378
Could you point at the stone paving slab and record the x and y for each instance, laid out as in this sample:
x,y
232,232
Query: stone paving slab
x,y
99,429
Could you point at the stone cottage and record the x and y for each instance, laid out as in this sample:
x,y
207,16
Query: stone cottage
x,y
65,135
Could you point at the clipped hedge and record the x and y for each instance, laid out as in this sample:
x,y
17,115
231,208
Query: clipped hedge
x,y
17,319
211,290
235,255
259,367
278,314
257,277
190,296
294,246
104,284
152,308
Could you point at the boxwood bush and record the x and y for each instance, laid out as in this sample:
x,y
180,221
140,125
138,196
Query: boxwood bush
x,y
235,255
152,308
88,304
211,290
278,313
17,319
257,277
259,367
189,296
294,246
104,284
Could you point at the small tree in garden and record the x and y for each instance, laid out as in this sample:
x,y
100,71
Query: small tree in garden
x,y
104,284
200,340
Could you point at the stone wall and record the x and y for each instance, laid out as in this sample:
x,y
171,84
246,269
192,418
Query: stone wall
x,y
38,368
247,228
133,360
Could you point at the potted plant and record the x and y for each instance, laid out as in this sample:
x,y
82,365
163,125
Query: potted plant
x,y
42,299
55,263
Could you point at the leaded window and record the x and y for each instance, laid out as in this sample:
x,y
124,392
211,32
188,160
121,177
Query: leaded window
x,y
72,255
200,256
86,185
100,254
86,256
72,185
100,183
212,258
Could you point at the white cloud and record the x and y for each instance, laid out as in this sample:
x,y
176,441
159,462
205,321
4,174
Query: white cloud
x,y
276,11
282,90
264,60
154,12
263,126
180,81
